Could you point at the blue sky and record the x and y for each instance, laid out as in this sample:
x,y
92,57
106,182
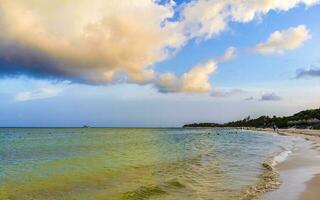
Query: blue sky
x,y
43,84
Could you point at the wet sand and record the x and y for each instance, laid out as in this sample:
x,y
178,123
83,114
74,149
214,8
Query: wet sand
x,y
313,189
300,173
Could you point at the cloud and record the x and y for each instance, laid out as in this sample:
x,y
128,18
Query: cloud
x,y
280,41
101,42
45,92
196,80
88,41
207,18
226,93
305,73
249,99
247,10
230,54
270,97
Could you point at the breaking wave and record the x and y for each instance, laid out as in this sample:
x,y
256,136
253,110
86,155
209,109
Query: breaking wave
x,y
269,179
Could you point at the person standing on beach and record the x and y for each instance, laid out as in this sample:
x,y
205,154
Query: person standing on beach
x,y
274,128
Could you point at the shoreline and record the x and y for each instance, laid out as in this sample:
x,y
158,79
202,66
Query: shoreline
x,y
300,172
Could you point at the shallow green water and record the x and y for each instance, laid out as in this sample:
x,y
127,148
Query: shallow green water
x,y
105,163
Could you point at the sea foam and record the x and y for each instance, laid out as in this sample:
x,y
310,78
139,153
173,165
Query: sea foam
x,y
280,157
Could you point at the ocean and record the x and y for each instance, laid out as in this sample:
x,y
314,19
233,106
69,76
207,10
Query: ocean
x,y
134,163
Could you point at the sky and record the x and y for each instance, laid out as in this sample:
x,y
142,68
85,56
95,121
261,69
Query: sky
x,y
156,63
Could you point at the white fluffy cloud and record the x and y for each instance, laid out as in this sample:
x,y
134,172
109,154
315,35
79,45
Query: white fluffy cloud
x,y
280,41
206,18
247,10
196,80
91,40
99,41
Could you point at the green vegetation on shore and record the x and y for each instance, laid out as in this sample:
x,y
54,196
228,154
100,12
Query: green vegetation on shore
x,y
304,119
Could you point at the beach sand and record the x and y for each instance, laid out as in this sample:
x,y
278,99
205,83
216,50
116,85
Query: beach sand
x,y
300,173
313,189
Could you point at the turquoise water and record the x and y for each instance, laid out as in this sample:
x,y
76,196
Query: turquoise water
x,y
125,163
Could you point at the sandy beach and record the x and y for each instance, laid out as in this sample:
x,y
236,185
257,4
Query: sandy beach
x,y
300,172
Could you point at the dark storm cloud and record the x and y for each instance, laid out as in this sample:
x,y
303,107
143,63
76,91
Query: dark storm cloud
x,y
17,61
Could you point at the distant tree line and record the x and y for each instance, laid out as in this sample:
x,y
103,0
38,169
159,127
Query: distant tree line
x,y
304,119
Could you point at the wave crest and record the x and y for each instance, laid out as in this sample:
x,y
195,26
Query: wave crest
x,y
269,181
